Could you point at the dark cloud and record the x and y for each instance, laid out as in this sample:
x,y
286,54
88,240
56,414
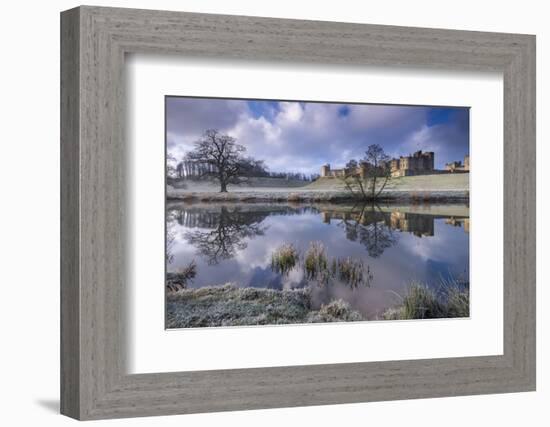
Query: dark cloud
x,y
302,136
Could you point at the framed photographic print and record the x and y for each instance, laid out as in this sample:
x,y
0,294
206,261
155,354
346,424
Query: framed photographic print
x,y
298,212
254,205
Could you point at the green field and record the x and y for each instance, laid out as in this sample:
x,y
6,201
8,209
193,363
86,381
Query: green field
x,y
425,188
437,182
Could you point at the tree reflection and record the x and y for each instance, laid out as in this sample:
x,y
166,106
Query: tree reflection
x,y
230,230
368,225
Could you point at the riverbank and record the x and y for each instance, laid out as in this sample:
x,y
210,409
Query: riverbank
x,y
316,196
444,188
443,209
229,305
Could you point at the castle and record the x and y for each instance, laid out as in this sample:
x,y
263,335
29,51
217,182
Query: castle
x,y
418,163
458,166
326,171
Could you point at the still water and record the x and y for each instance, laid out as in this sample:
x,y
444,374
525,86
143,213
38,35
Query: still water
x,y
399,244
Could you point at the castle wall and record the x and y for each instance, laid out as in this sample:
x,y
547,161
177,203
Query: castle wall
x,y
417,164
325,170
458,166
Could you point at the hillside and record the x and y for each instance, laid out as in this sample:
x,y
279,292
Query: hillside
x,y
252,184
438,182
434,188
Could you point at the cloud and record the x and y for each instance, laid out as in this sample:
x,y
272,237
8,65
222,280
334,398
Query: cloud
x,y
449,141
188,118
299,136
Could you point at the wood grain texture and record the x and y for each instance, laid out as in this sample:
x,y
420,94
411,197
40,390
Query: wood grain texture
x,y
94,238
70,306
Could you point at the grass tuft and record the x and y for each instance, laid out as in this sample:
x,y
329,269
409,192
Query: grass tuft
x,y
335,311
316,262
284,258
458,302
181,279
351,271
319,267
422,302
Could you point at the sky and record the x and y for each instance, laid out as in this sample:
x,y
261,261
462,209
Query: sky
x,y
303,136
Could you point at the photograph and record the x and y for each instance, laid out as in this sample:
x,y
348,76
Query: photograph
x,y
299,212
267,213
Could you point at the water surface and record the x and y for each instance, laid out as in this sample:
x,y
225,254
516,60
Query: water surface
x,y
400,244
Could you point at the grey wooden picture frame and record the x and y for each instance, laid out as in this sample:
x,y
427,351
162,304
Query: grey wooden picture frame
x,y
94,41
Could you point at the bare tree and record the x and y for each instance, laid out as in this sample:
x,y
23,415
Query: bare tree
x,y
369,226
352,165
378,168
229,236
355,183
367,178
171,166
220,156
354,179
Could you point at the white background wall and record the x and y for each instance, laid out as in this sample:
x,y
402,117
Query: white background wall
x,y
29,214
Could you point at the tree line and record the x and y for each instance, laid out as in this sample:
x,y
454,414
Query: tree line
x,y
216,155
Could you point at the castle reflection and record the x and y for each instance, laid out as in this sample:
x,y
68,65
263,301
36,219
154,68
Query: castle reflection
x,y
459,222
421,225
220,231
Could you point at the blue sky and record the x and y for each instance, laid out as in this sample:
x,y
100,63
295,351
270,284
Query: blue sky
x,y
302,136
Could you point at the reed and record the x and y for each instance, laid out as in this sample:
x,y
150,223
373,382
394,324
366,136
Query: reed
x,y
284,258
351,271
316,262
451,300
181,279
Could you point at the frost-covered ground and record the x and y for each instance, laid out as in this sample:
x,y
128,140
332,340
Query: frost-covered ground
x,y
229,305
425,188
434,183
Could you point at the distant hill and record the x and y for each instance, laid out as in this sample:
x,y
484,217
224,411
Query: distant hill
x,y
437,182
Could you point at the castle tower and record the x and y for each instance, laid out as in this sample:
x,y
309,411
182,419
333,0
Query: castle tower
x,y
325,170
429,161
